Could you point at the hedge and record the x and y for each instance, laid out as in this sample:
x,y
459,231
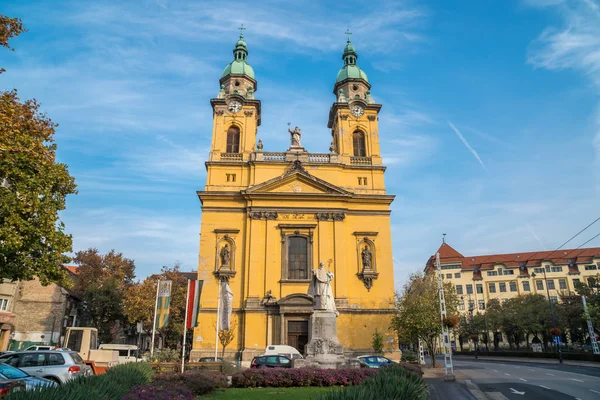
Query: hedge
x,y
113,385
390,383
179,386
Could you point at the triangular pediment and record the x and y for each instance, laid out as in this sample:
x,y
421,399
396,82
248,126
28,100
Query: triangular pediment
x,y
297,181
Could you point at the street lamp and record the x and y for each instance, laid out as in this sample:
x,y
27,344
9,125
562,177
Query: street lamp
x,y
560,360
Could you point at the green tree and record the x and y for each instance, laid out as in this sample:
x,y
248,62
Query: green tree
x,y
377,342
102,283
418,310
139,303
33,187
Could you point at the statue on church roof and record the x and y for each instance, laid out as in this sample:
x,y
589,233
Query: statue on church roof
x,y
295,136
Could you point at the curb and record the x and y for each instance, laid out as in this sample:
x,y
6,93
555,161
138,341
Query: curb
x,y
475,391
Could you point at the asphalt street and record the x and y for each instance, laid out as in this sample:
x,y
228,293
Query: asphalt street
x,y
521,381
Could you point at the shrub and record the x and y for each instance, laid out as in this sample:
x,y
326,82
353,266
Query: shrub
x,y
166,355
112,385
377,343
293,377
198,382
152,392
414,368
391,383
409,356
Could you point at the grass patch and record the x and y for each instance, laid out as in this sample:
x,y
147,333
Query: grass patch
x,y
296,393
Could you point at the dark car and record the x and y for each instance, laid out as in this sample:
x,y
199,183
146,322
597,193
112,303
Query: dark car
x,y
374,361
13,379
274,361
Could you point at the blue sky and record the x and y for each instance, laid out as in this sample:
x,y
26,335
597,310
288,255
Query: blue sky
x,y
490,123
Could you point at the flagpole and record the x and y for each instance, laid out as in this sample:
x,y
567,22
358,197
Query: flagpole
x,y
217,326
187,302
154,321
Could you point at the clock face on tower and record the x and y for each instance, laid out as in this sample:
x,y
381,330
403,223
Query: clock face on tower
x,y
357,110
234,106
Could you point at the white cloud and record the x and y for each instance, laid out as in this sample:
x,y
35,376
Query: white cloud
x,y
576,45
467,145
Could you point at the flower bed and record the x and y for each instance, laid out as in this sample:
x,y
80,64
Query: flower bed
x,y
291,377
173,385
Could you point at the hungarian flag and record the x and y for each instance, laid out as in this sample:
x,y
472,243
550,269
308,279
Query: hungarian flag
x,y
193,303
163,302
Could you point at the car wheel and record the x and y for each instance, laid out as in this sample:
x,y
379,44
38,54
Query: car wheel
x,y
54,379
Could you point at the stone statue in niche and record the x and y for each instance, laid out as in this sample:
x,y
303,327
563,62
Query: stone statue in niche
x,y
320,289
225,256
367,257
295,136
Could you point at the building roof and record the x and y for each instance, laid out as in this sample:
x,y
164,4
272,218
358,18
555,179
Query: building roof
x,y
74,269
350,70
514,260
239,65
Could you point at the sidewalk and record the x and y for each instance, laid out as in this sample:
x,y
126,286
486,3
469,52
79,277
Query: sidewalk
x,y
529,360
441,390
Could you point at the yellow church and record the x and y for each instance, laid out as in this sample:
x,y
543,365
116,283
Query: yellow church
x,y
270,218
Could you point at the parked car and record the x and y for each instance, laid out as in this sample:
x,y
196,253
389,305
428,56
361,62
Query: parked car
x,y
274,361
210,359
13,379
57,365
36,348
284,350
374,361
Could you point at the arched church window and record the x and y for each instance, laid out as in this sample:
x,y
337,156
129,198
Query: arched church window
x,y
358,140
233,140
297,257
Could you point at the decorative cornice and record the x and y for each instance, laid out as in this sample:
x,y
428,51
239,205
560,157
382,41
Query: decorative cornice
x,y
368,276
226,231
372,117
269,215
326,216
248,113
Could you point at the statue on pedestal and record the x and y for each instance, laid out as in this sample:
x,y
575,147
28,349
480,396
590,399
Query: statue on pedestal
x,y
366,257
320,290
225,256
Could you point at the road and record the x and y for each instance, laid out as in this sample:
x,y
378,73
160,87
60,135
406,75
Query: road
x,y
524,381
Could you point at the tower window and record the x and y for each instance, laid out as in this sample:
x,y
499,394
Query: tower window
x,y
233,140
358,140
297,257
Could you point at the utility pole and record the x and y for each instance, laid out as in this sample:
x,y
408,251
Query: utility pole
x,y
449,369
590,327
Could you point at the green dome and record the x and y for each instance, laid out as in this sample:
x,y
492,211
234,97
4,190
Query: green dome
x,y
239,65
240,68
351,72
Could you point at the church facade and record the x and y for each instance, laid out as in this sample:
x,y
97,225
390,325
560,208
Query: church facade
x,y
270,218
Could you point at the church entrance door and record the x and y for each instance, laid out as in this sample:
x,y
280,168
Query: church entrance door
x,y
297,334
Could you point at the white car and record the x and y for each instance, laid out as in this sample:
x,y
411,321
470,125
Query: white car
x,y
283,350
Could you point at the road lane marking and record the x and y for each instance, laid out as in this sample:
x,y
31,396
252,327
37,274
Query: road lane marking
x,y
545,387
524,380
547,373
506,374
495,370
531,369
576,380
515,391
517,367
595,391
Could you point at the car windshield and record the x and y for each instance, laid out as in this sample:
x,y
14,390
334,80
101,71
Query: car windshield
x,y
12,372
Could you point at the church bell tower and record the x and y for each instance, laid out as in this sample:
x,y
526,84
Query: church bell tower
x,y
354,116
236,113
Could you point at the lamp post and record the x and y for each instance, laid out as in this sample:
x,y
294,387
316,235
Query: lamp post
x,y
560,360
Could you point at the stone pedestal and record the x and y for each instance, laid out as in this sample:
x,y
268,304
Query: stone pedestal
x,y
323,349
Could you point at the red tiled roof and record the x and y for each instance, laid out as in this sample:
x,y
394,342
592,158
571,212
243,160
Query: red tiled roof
x,y
513,260
74,269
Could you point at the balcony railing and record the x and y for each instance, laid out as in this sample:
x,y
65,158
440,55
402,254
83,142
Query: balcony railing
x,y
231,156
360,161
318,158
272,156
